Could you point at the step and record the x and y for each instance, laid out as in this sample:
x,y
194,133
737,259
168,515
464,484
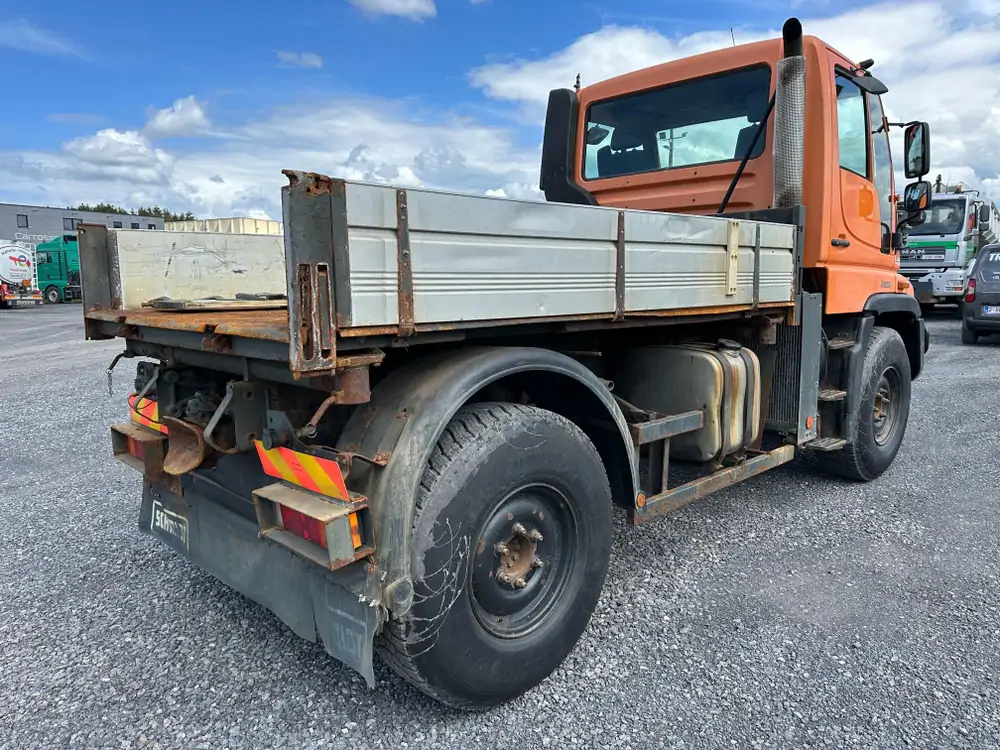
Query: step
x,y
826,445
831,394
840,342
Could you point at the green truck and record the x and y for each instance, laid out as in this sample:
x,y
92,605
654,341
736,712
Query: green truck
x,y
58,262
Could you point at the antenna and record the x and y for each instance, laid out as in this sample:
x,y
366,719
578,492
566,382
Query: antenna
x,y
733,35
576,86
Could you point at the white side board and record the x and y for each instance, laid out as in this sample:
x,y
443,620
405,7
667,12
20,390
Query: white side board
x,y
195,265
481,258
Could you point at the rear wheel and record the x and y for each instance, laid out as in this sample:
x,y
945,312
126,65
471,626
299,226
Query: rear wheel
x,y
52,295
510,546
968,335
883,413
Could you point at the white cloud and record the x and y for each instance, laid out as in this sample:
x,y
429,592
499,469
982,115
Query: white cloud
x,y
372,140
415,10
182,118
25,36
300,59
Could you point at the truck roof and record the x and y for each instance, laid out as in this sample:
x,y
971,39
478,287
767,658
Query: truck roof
x,y
706,63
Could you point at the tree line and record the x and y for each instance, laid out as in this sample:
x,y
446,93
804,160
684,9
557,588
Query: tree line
x,y
157,211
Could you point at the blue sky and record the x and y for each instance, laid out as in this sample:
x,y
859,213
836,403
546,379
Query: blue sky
x,y
199,105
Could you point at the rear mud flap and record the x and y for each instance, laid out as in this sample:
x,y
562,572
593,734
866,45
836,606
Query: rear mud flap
x,y
225,544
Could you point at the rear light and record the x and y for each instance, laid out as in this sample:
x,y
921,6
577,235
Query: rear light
x,y
332,533
970,291
297,522
136,448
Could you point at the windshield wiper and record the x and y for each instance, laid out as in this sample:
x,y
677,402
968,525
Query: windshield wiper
x,y
746,156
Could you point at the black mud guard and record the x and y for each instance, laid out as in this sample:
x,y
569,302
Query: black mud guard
x,y
902,312
408,413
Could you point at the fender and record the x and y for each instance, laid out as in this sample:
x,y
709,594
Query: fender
x,y
902,312
409,411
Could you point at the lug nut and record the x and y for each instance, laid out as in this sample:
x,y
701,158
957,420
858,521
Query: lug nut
x,y
520,530
535,535
501,548
520,583
503,577
537,563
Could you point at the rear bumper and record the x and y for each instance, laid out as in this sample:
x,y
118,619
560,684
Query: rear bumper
x,y
982,324
216,529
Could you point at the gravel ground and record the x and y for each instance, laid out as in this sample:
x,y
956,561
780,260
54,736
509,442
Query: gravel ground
x,y
791,611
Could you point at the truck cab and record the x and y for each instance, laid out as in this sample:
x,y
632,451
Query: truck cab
x,y
939,251
58,262
673,137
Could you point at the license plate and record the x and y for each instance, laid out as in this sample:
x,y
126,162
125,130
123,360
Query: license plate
x,y
168,523
932,257
991,310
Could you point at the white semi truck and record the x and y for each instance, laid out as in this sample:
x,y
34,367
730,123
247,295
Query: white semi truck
x,y
18,275
956,226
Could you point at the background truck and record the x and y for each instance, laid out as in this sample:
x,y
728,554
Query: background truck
x,y
58,262
18,276
940,249
404,425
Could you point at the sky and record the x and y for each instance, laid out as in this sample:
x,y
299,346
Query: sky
x,y
199,106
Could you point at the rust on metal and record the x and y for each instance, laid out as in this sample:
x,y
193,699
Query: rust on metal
x,y
404,264
316,183
620,268
665,427
671,500
150,465
216,342
186,449
265,325
361,359
353,387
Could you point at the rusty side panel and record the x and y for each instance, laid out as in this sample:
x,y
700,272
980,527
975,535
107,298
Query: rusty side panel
x,y
268,325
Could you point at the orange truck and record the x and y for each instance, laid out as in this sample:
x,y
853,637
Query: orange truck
x,y
404,425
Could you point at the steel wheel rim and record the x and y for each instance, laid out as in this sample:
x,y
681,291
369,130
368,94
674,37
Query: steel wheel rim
x,y
885,409
511,608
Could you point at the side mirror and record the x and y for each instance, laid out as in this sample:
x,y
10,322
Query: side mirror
x,y
917,196
984,213
916,140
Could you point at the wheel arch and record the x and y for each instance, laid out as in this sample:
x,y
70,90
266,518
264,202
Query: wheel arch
x,y
411,408
902,313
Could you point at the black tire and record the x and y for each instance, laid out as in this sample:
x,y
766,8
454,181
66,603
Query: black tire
x,y
879,432
968,335
497,465
52,296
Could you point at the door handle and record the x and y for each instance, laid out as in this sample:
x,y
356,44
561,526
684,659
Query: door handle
x,y
837,242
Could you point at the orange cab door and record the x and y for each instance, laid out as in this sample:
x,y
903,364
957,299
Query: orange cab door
x,y
859,260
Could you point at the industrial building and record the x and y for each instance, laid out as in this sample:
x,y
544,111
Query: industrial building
x,y
29,225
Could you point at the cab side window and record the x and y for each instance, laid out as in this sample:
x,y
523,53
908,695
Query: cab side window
x,y
882,160
852,127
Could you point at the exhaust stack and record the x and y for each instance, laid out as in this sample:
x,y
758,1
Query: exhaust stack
x,y
789,117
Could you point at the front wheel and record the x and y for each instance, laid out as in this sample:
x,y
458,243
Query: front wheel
x,y
883,412
52,295
510,546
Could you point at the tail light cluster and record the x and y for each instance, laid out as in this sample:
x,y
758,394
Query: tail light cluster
x,y
970,291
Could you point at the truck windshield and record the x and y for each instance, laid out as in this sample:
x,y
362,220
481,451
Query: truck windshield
x,y
943,217
705,121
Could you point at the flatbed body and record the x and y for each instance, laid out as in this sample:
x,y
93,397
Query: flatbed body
x,y
411,262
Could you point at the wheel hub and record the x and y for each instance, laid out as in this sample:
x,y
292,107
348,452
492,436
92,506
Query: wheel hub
x,y
518,557
524,550
885,407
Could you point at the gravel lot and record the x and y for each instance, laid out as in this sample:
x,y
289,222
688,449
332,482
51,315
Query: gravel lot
x,y
790,612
